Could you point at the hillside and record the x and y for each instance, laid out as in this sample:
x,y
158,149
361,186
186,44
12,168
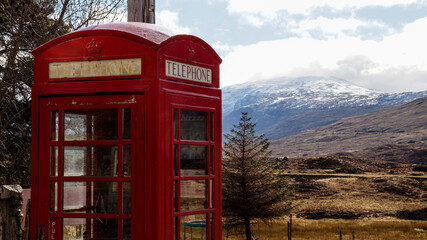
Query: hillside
x,y
286,106
344,187
398,133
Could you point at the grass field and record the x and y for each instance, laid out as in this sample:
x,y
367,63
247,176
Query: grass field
x,y
330,229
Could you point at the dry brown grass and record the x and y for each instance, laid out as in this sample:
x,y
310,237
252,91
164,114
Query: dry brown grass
x,y
359,198
386,229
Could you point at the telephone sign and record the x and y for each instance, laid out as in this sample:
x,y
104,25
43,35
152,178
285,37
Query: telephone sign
x,y
188,72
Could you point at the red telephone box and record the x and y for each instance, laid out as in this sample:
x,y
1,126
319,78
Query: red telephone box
x,y
126,140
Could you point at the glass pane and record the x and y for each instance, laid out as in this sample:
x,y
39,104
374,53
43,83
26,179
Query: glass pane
x,y
212,127
88,228
212,160
53,196
127,161
76,126
175,228
175,160
126,229
212,227
90,197
193,195
90,124
193,226
175,196
193,125
211,190
126,123
54,125
193,160
175,123
75,160
99,160
126,197
54,161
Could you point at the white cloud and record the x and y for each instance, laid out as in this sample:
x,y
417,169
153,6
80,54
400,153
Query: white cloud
x,y
219,46
170,20
270,7
255,20
396,57
215,1
335,27
259,13
330,25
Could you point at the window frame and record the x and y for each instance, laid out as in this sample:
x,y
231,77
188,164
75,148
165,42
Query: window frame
x,y
60,106
209,175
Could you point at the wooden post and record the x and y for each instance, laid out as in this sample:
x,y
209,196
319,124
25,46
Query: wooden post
x,y
10,208
290,228
353,234
340,234
141,11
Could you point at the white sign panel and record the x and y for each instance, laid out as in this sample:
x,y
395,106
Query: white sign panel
x,y
101,68
188,72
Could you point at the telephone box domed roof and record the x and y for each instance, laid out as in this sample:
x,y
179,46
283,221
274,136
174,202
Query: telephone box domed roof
x,y
149,34
148,31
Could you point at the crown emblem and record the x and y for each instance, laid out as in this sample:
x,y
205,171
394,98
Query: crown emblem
x,y
94,47
191,52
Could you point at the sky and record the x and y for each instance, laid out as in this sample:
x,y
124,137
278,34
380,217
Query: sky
x,y
377,44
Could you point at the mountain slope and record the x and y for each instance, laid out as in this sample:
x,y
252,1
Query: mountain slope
x,y
404,126
286,106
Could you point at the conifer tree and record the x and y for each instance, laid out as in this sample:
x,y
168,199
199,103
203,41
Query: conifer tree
x,y
253,188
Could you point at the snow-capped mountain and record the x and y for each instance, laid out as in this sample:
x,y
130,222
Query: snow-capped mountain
x,y
284,106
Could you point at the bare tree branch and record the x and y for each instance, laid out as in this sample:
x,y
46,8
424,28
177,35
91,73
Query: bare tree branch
x,y
25,25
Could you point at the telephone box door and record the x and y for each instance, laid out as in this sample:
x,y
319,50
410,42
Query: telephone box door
x,y
197,174
87,163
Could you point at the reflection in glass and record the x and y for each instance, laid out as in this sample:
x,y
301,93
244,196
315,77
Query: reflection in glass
x,y
90,197
175,160
193,125
175,228
212,127
193,227
99,160
126,124
127,161
211,190
76,126
75,160
126,198
175,196
212,226
90,124
193,195
53,196
89,228
175,123
127,229
193,160
212,160
54,125
54,161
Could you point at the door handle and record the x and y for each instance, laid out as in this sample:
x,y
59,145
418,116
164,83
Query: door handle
x,y
40,233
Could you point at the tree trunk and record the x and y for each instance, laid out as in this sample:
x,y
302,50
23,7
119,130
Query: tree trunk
x,y
248,229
